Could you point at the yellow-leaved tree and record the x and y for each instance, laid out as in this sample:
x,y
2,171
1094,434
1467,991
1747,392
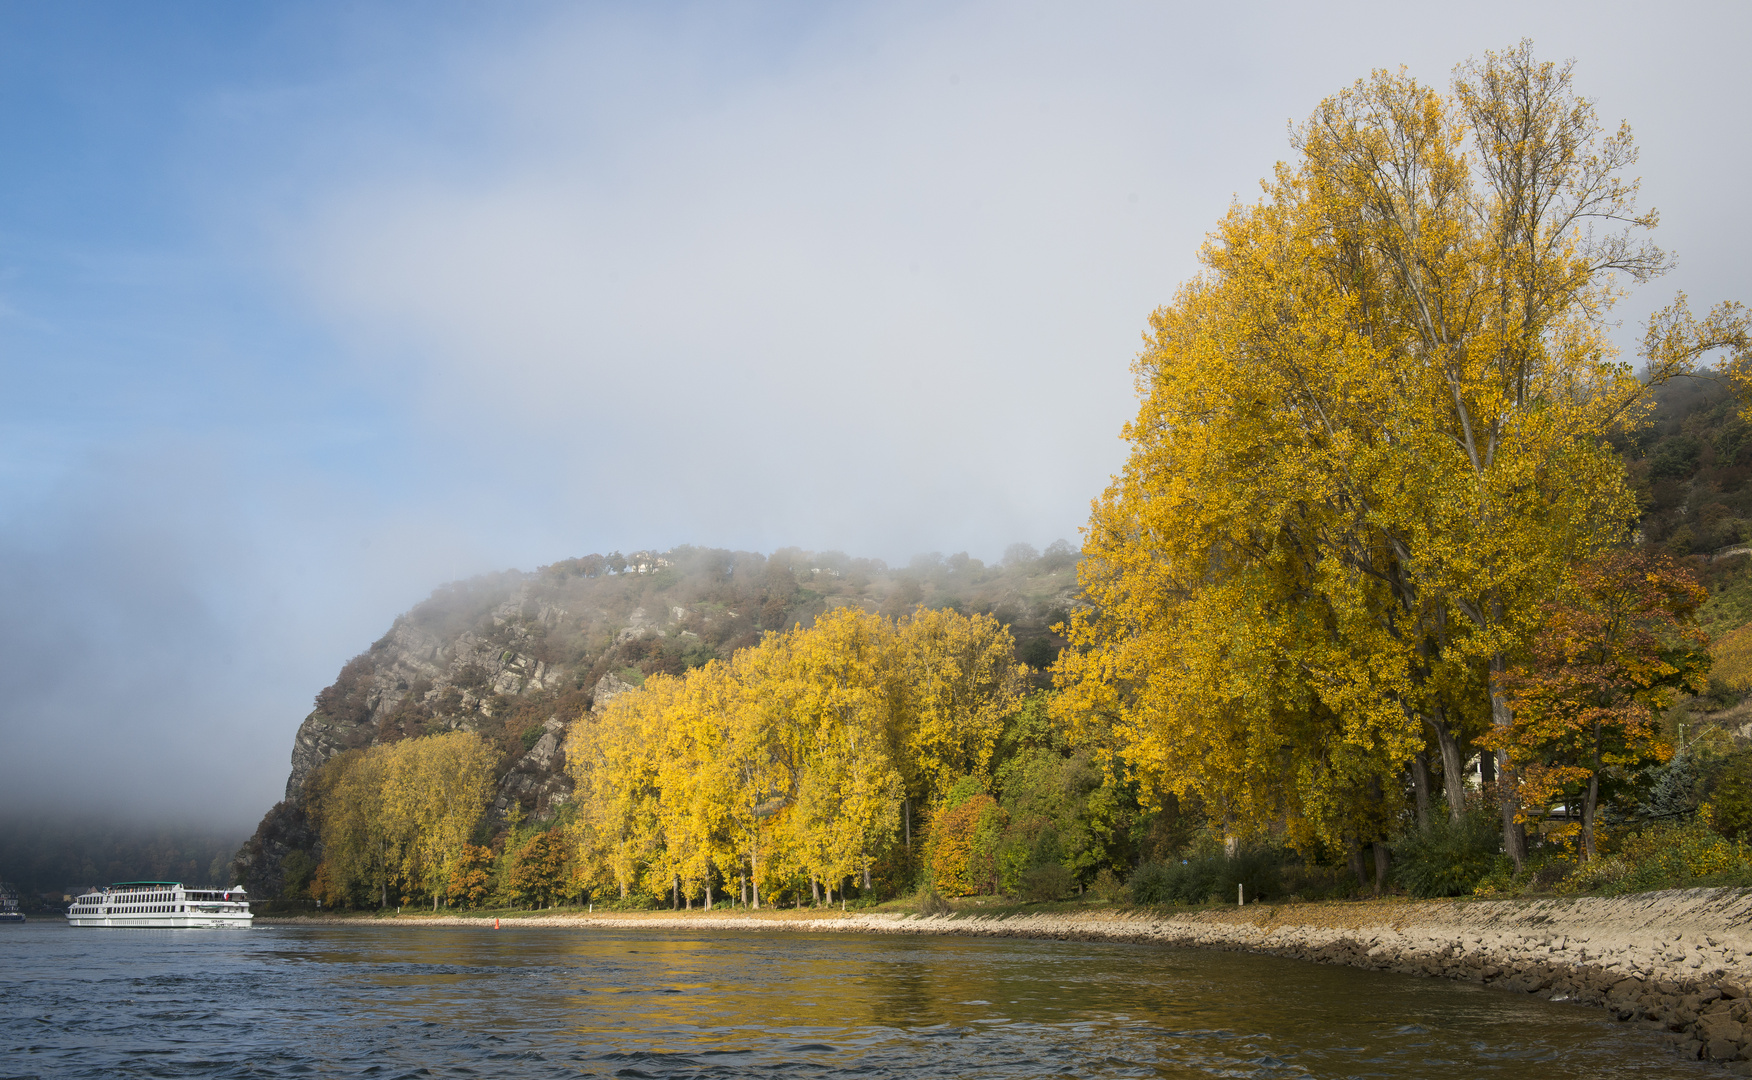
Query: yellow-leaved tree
x,y
615,761
399,814
789,761
838,693
1372,436
959,679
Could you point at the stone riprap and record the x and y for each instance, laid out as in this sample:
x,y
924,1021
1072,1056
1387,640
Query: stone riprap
x,y
1679,961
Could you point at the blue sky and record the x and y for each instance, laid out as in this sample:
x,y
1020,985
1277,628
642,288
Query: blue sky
x,y
306,309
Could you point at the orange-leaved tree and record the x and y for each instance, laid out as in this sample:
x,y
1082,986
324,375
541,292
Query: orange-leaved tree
x,y
1612,652
471,876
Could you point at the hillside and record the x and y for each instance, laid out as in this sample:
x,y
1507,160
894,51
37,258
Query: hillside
x,y
1690,469
515,656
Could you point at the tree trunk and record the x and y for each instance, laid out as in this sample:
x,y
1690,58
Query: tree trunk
x,y
814,890
1453,766
1380,867
675,894
1591,801
906,806
1502,717
1420,782
708,892
1354,852
866,875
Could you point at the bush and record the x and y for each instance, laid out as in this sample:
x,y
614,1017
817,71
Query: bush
x,y
1198,878
1106,888
1447,858
1049,881
1669,854
1186,882
932,904
1730,796
1258,869
1603,874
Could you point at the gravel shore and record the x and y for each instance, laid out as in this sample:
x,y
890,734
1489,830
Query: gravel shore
x,y
1678,961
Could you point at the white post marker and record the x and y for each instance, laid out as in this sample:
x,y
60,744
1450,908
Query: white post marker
x,y
1240,895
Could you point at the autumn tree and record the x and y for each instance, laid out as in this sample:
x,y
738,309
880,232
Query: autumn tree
x,y
536,873
961,679
471,877
1613,651
614,761
1372,438
790,759
399,814
345,800
435,790
840,694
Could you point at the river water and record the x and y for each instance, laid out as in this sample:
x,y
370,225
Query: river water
x,y
390,1002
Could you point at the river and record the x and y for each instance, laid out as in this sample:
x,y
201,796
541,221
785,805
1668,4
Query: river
x,y
396,1001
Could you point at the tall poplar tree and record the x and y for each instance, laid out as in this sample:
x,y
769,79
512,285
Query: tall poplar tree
x,y
1372,437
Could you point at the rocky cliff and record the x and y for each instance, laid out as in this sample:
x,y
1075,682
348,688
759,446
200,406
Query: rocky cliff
x,y
517,657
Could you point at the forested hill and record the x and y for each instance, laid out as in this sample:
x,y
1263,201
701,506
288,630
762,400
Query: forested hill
x,y
515,656
1691,468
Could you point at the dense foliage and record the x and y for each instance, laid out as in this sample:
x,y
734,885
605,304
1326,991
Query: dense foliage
x,y
1375,447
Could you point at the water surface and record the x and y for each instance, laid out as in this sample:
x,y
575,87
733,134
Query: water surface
x,y
389,1002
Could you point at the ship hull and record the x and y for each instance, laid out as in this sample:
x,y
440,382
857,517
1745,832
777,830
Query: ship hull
x,y
162,922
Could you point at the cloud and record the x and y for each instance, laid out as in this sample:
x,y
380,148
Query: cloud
x,y
875,284
350,304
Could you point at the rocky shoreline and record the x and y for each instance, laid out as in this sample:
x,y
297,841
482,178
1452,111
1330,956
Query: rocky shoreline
x,y
1678,962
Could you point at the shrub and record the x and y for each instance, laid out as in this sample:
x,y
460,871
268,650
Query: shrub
x,y
1189,881
1730,797
1670,854
932,904
1048,881
1256,868
1596,875
1446,858
960,855
1198,878
1106,888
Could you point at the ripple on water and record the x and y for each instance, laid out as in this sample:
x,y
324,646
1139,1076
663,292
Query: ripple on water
x,y
398,1002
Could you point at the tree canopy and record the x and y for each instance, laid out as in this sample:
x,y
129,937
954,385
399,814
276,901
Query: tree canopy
x,y
1373,437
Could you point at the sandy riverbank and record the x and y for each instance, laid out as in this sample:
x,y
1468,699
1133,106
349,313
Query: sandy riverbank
x,y
1678,961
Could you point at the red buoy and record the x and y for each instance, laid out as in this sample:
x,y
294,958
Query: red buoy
x,y
495,924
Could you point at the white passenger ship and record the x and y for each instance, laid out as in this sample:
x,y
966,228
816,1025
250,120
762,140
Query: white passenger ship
x,y
161,904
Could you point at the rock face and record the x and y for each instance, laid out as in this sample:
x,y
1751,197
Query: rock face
x,y
607,689
539,778
262,863
416,681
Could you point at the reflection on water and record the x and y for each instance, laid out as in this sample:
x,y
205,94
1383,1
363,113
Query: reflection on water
x,y
395,1001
